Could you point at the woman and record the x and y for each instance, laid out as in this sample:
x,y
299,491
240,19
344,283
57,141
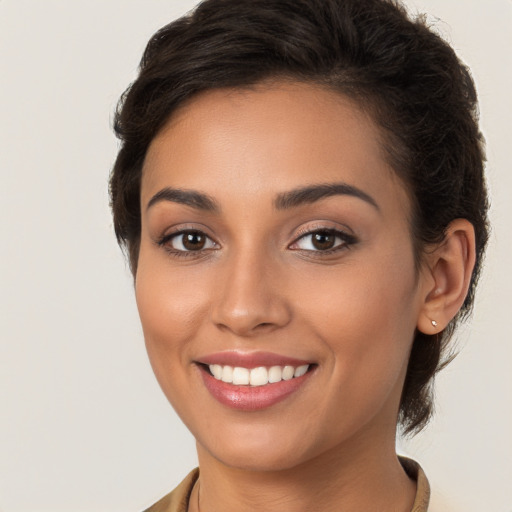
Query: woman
x,y
300,191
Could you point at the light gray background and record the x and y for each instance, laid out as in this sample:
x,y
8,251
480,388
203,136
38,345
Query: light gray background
x,y
83,425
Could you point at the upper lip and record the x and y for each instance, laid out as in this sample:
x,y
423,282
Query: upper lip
x,y
250,359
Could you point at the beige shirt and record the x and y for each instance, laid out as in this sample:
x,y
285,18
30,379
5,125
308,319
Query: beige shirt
x,y
177,500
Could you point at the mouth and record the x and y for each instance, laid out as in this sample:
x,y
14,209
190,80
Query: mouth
x,y
259,376
247,384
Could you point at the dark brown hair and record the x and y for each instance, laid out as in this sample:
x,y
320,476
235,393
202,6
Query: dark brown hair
x,y
409,79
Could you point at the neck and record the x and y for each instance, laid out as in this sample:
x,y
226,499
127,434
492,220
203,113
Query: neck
x,y
345,478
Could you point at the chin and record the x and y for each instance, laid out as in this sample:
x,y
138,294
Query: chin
x,y
261,448
264,459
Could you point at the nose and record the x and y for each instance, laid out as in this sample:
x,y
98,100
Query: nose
x,y
251,298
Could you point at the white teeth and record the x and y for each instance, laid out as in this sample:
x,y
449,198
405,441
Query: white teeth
x,y
275,374
288,372
227,374
216,370
301,370
260,376
240,376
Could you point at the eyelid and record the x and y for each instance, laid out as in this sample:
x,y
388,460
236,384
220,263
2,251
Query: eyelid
x,y
179,230
176,229
176,237
345,235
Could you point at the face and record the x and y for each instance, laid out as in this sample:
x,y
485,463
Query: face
x,y
276,282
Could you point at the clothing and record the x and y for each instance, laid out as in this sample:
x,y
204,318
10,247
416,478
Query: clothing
x,y
414,471
177,500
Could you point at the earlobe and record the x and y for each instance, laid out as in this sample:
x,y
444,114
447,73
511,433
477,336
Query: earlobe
x,y
450,266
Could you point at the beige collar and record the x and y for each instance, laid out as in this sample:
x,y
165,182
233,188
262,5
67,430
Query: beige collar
x,y
177,500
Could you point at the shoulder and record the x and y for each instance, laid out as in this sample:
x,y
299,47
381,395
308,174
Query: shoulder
x,y
177,500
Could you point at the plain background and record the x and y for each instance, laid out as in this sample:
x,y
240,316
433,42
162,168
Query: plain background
x,y
83,425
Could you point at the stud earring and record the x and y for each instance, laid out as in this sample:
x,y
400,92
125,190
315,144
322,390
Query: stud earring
x,y
434,323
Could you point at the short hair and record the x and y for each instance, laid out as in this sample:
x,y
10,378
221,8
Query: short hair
x,y
410,80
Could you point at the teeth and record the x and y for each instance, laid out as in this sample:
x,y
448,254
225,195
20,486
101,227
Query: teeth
x,y
260,376
301,370
227,374
240,376
216,370
275,374
288,372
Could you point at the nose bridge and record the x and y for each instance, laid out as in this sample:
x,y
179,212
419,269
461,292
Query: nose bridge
x,y
250,299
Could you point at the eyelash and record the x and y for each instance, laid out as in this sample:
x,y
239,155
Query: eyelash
x,y
346,238
166,239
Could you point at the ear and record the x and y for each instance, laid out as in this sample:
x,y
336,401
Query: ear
x,y
446,277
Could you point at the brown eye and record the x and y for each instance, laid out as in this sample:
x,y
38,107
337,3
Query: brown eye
x,y
188,241
323,240
193,241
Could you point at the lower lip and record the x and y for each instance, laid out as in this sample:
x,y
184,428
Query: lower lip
x,y
251,398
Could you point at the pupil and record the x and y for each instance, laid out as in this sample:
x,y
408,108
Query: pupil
x,y
193,241
323,240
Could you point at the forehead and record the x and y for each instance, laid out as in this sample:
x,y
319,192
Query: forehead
x,y
267,139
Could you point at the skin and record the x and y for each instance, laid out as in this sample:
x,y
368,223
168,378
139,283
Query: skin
x,y
260,285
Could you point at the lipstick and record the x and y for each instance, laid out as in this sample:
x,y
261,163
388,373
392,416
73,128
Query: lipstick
x,y
252,381
251,359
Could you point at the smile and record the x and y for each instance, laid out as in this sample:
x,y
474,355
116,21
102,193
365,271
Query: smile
x,y
259,376
253,381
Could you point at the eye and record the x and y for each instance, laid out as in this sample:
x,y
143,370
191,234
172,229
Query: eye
x,y
323,240
187,241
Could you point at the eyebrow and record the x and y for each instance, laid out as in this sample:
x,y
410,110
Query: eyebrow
x,y
283,201
312,193
191,198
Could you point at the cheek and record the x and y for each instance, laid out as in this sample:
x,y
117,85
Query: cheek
x,y
169,306
366,296
366,318
167,300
